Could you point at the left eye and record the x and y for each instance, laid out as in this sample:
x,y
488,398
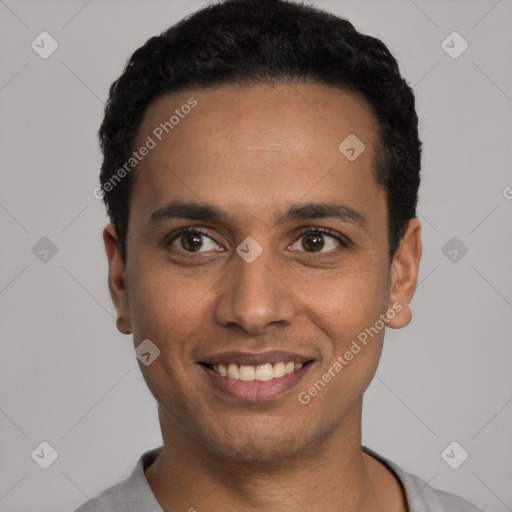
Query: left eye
x,y
314,240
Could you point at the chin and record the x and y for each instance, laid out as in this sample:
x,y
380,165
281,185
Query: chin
x,y
251,448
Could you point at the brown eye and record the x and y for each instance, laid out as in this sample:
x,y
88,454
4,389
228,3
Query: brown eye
x,y
192,240
315,240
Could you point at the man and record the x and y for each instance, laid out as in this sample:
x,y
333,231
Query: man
x,y
261,169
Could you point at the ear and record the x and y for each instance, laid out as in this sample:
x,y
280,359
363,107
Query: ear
x,y
404,275
117,279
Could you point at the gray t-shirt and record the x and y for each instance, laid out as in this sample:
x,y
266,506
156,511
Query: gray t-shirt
x,y
135,495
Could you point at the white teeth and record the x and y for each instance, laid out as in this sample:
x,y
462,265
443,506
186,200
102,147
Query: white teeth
x,y
262,372
247,372
279,369
233,371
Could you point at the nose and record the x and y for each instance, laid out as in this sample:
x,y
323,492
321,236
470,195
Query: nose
x,y
256,296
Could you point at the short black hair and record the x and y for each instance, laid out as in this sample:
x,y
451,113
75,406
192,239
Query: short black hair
x,y
249,42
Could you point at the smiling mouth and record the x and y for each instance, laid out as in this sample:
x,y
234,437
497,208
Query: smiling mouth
x,y
262,372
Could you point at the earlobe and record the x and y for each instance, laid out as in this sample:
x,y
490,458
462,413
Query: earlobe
x,y
404,276
117,279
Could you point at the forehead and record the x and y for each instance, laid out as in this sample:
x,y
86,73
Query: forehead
x,y
254,146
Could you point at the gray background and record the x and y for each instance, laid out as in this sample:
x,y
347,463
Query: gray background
x,y
69,378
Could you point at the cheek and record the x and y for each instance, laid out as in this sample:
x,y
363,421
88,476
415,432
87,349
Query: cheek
x,y
348,307
348,299
164,304
167,309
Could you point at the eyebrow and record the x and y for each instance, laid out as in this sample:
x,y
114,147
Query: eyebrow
x,y
210,212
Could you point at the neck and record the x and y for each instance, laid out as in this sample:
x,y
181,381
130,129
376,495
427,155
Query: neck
x,y
333,475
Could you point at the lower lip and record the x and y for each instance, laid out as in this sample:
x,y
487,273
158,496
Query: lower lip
x,y
255,390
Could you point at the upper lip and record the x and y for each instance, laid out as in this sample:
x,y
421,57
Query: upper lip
x,y
255,358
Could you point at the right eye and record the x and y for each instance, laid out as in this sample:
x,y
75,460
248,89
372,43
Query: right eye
x,y
191,240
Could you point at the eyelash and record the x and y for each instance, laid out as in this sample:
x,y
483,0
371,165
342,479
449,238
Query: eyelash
x,y
344,242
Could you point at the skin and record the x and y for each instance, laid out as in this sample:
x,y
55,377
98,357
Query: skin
x,y
255,151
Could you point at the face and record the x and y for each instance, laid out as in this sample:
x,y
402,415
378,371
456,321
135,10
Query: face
x,y
283,267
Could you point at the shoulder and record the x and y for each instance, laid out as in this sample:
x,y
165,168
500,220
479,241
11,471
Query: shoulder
x,y
112,499
130,495
420,496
